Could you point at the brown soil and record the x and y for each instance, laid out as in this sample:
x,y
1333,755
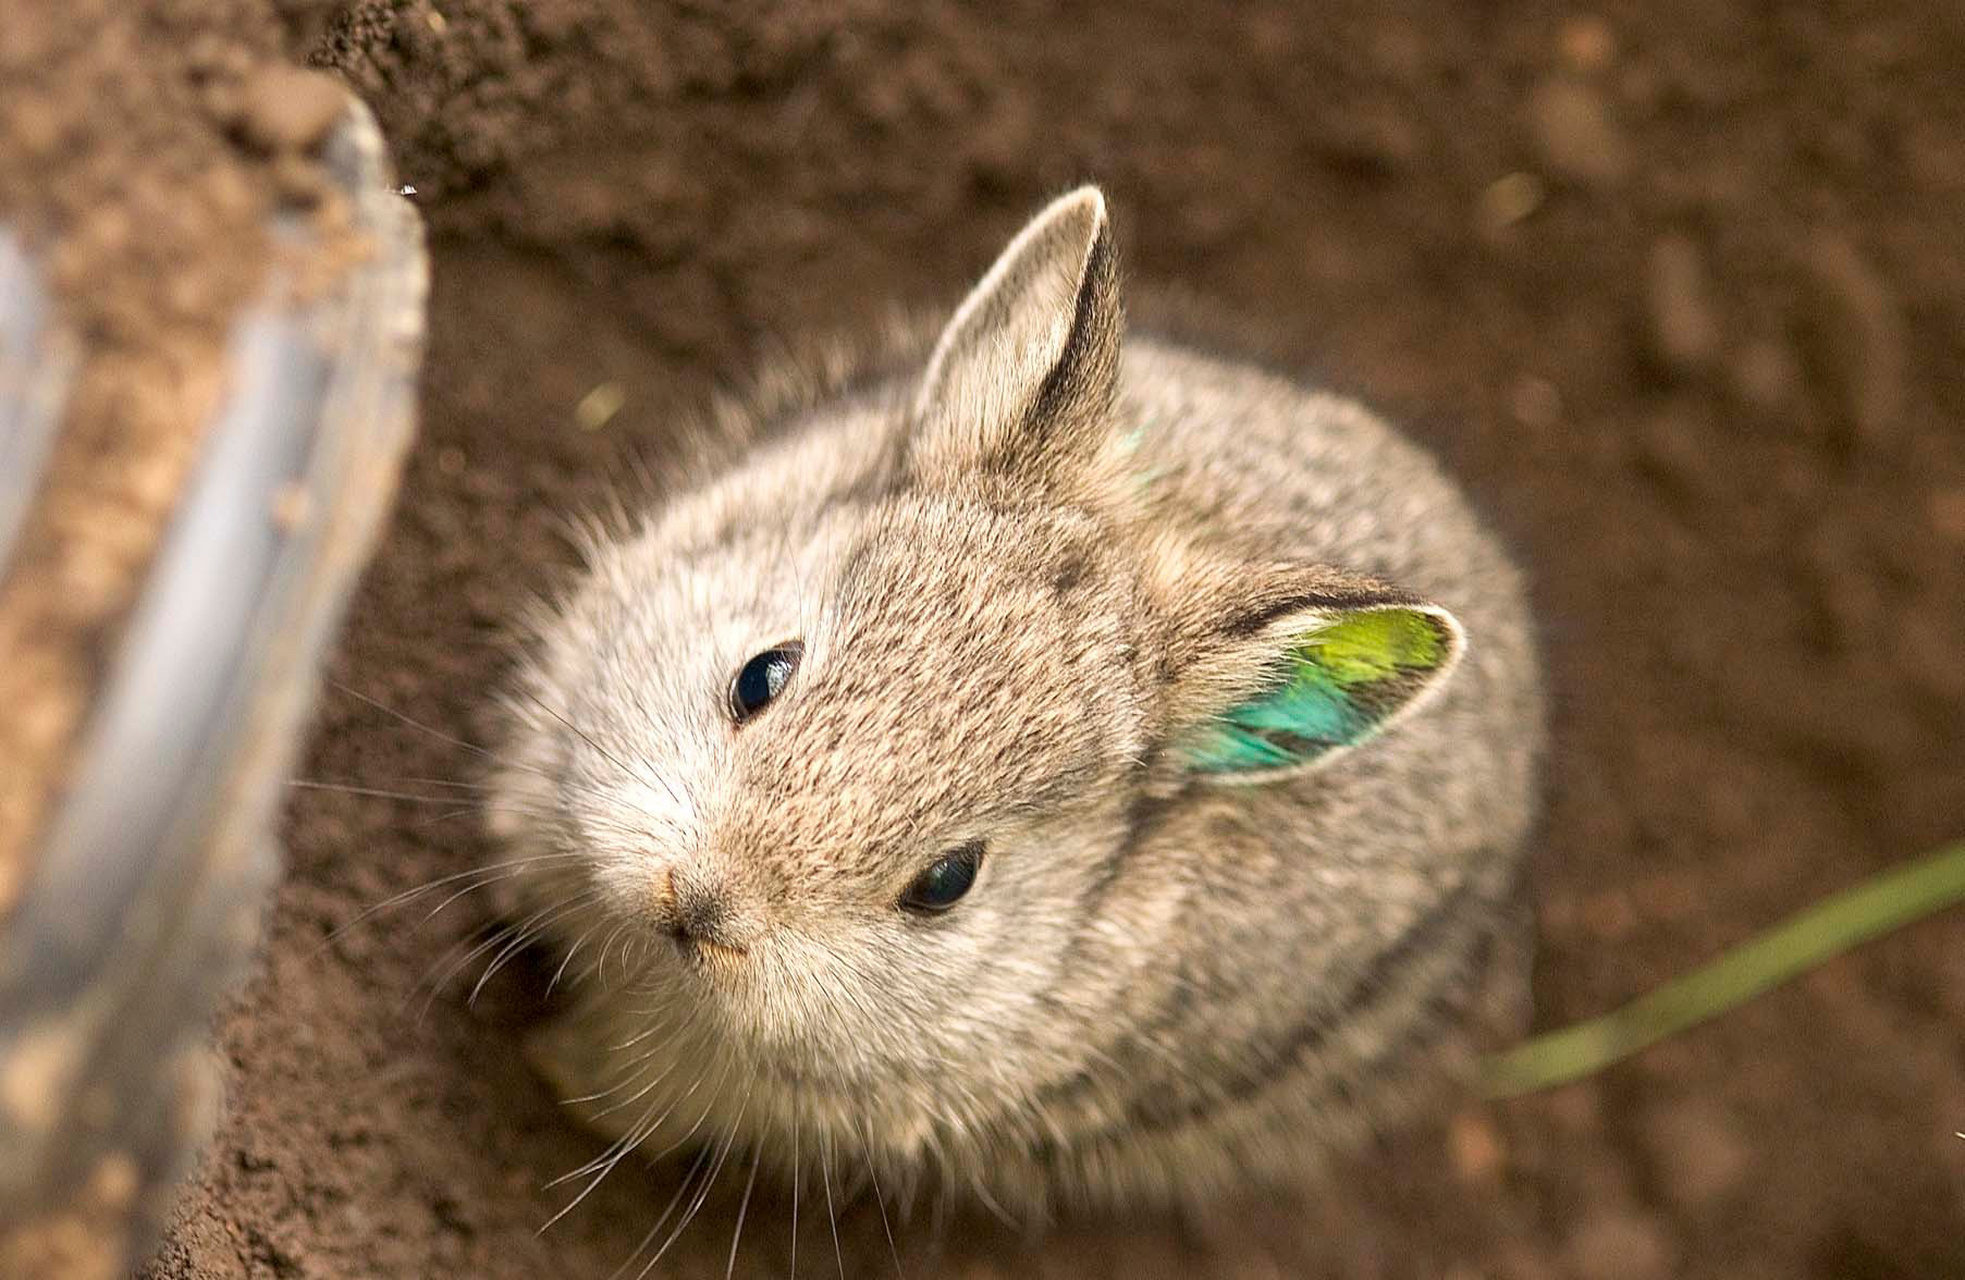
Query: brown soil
x,y
1677,290
142,150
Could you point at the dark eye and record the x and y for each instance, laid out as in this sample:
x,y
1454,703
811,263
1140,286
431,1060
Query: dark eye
x,y
762,679
942,885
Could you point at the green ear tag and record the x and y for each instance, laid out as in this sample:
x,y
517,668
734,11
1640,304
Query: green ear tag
x,y
1335,686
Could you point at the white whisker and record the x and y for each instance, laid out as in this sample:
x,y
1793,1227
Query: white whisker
x,y
743,1207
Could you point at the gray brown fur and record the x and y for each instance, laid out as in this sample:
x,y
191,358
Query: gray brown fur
x,y
1019,575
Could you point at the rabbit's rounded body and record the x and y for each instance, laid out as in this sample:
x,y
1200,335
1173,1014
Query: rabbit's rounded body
x,y
1250,816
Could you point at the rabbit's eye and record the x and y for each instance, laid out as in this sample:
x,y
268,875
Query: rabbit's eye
x,y
945,882
762,679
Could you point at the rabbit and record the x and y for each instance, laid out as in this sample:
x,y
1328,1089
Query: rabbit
x,y
1040,767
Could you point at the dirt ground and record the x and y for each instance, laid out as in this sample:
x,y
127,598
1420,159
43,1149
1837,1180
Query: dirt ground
x,y
1676,287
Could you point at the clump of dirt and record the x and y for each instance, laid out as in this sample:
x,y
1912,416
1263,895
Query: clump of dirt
x,y
1674,287
143,149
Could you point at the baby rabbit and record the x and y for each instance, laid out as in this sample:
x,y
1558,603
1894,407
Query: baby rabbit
x,y
1057,770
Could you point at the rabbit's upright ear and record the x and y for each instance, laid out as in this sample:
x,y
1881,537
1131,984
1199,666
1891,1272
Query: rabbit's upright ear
x,y
1021,380
1306,664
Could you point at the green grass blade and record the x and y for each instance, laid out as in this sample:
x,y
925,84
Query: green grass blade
x,y
1885,902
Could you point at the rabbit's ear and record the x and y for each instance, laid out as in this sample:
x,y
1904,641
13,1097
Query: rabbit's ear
x,y
1020,381
1287,683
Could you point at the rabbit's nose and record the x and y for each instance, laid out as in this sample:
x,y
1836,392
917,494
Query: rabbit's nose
x,y
701,912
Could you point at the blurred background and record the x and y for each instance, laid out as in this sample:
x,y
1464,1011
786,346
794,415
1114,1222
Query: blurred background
x,y
1676,289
